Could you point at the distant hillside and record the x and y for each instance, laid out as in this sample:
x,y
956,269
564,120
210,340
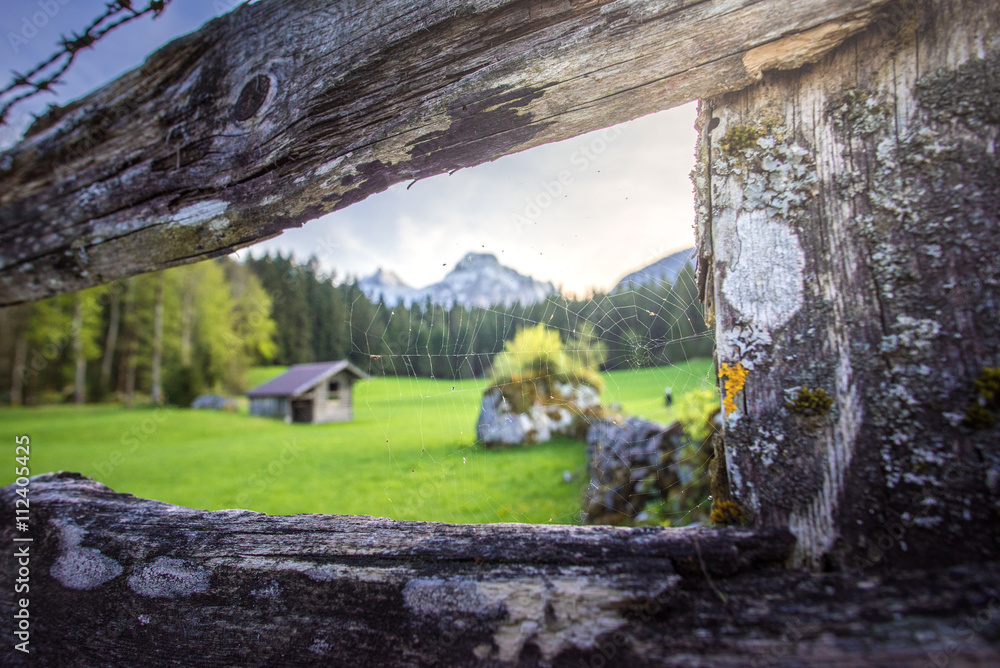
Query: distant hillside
x,y
664,269
478,280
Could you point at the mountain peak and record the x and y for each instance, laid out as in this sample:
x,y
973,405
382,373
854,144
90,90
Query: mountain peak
x,y
665,269
477,261
386,277
477,281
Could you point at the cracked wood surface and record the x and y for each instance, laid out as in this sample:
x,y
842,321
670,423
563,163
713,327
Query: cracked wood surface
x,y
282,111
122,581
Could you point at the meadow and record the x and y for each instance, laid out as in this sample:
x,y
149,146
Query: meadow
x,y
409,453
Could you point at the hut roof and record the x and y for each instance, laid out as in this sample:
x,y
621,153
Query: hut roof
x,y
302,377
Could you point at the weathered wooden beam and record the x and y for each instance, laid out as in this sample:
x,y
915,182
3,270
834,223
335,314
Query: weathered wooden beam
x,y
848,217
120,581
282,111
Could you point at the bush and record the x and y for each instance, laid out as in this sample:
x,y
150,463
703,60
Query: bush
x,y
696,412
183,384
536,355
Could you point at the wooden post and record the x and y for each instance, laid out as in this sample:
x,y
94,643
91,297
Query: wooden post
x,y
848,236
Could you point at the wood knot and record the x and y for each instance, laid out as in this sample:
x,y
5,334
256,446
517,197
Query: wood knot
x,y
251,97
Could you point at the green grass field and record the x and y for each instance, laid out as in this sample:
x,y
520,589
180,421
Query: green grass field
x,y
408,454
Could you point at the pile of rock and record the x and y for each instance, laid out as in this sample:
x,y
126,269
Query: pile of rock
x,y
634,463
564,409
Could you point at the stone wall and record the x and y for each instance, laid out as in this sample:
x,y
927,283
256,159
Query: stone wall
x,y
645,472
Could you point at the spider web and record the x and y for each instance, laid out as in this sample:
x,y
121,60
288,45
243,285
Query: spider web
x,y
437,471
598,205
424,403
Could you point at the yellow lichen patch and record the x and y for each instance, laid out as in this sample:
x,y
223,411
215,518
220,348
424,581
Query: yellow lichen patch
x,y
736,378
728,513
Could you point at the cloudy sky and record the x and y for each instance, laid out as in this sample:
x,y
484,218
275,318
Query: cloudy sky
x,y
580,213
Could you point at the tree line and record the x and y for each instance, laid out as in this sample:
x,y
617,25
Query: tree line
x,y
171,335
318,320
163,336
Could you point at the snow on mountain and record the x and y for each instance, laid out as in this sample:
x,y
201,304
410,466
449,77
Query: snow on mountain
x,y
665,269
386,285
478,280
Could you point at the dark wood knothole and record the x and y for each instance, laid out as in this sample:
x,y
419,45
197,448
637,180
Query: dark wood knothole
x,y
251,97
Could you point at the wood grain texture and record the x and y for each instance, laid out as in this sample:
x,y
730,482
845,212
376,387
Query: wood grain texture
x,y
122,581
282,111
848,222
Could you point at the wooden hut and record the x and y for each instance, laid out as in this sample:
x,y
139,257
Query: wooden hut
x,y
315,393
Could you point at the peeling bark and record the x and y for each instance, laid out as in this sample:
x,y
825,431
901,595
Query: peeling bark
x,y
280,112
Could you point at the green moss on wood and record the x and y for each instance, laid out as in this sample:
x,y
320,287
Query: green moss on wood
x,y
981,413
739,138
987,386
979,417
811,402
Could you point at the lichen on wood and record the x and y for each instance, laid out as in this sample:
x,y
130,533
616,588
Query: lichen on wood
x,y
896,225
735,379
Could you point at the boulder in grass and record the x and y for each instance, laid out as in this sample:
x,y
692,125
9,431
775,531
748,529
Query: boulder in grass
x,y
499,425
526,412
214,402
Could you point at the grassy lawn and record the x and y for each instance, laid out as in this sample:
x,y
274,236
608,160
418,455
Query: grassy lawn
x,y
408,454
